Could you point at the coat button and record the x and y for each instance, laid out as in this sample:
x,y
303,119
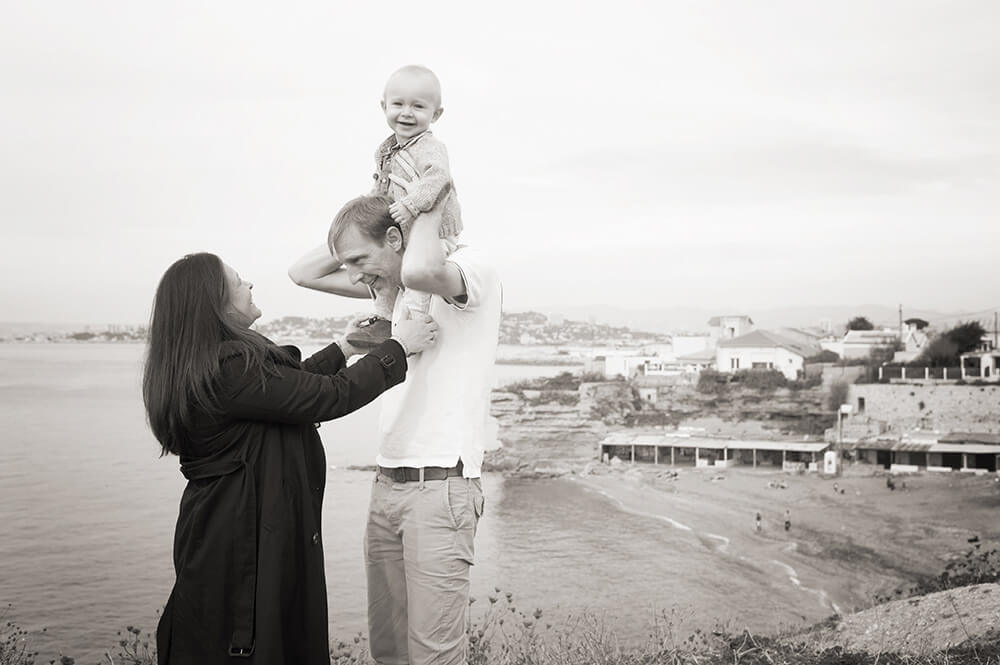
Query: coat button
x,y
316,538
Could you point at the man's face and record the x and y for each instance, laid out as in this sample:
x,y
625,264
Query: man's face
x,y
368,261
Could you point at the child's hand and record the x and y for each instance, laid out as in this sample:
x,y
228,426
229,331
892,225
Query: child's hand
x,y
400,213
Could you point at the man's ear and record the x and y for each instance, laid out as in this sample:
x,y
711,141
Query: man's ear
x,y
382,104
394,238
437,114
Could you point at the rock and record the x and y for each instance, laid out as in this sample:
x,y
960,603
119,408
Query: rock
x,y
616,462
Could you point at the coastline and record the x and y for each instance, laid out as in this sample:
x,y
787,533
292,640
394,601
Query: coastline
x,y
842,550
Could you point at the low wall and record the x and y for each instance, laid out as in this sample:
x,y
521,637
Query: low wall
x,y
940,407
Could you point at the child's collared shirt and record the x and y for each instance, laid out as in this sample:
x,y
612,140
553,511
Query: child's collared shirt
x,y
436,186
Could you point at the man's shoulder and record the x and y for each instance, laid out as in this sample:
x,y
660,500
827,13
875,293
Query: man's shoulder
x,y
471,256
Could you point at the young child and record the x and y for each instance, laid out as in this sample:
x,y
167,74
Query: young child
x,y
411,102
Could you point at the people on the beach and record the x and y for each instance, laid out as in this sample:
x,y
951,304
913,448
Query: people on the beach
x,y
241,414
788,519
411,101
757,526
889,482
427,498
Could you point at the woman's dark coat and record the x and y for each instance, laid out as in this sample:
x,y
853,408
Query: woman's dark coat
x,y
248,548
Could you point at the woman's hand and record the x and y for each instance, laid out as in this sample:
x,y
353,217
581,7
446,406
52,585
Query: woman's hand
x,y
415,333
346,347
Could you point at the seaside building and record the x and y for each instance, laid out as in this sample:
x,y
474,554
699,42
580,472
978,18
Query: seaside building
x,y
980,365
728,326
914,338
683,449
860,343
922,425
762,349
697,361
959,451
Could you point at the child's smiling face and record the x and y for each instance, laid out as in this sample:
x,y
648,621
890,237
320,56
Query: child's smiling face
x,y
412,101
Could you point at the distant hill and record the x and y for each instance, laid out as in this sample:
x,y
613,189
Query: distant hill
x,y
695,319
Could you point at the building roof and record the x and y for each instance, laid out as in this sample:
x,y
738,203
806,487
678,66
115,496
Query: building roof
x,y
927,447
980,354
676,440
971,437
704,355
870,336
765,339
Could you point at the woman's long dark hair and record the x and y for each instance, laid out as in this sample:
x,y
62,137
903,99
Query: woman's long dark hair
x,y
188,325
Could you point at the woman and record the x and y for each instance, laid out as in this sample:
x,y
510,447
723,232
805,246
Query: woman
x,y
241,414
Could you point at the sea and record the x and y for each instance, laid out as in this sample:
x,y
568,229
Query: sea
x,y
88,507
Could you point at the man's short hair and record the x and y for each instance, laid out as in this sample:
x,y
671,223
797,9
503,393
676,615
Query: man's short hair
x,y
370,214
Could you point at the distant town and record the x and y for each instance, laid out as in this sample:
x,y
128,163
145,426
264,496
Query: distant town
x,y
919,394
523,328
914,348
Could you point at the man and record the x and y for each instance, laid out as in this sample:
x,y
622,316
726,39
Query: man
x,y
427,497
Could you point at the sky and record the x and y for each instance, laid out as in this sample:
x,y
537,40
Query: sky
x,y
639,154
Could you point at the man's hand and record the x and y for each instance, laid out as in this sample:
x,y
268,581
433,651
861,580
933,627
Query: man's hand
x,y
400,213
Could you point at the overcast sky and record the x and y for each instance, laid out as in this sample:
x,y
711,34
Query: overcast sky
x,y
723,154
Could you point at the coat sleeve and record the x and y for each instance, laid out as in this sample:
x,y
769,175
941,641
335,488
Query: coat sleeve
x,y
325,391
329,360
435,176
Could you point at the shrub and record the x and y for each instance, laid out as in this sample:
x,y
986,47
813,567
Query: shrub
x,y
711,382
979,565
762,380
810,381
561,381
824,356
945,349
14,648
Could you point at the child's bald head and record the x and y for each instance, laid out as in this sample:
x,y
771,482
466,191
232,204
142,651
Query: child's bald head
x,y
415,77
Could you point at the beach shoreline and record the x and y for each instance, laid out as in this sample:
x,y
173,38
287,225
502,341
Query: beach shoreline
x,y
842,550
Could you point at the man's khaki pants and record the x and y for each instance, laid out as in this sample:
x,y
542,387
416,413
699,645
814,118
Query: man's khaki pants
x,y
418,549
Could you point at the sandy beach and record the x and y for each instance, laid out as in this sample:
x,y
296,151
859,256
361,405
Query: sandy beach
x,y
841,550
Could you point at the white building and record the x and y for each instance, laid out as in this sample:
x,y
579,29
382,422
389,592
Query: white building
x,y
684,345
761,349
914,337
625,366
860,343
727,327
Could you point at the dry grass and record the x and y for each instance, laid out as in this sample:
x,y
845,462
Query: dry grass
x,y
506,635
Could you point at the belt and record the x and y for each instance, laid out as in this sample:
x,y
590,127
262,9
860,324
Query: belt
x,y
404,474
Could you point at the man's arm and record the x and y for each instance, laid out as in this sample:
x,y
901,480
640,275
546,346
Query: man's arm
x,y
321,271
425,267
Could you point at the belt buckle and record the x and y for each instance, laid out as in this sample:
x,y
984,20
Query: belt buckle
x,y
399,474
241,652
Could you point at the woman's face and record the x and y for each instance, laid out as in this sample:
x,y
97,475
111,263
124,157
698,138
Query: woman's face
x,y
241,305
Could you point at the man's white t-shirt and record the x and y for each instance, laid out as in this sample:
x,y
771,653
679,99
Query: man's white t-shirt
x,y
439,413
